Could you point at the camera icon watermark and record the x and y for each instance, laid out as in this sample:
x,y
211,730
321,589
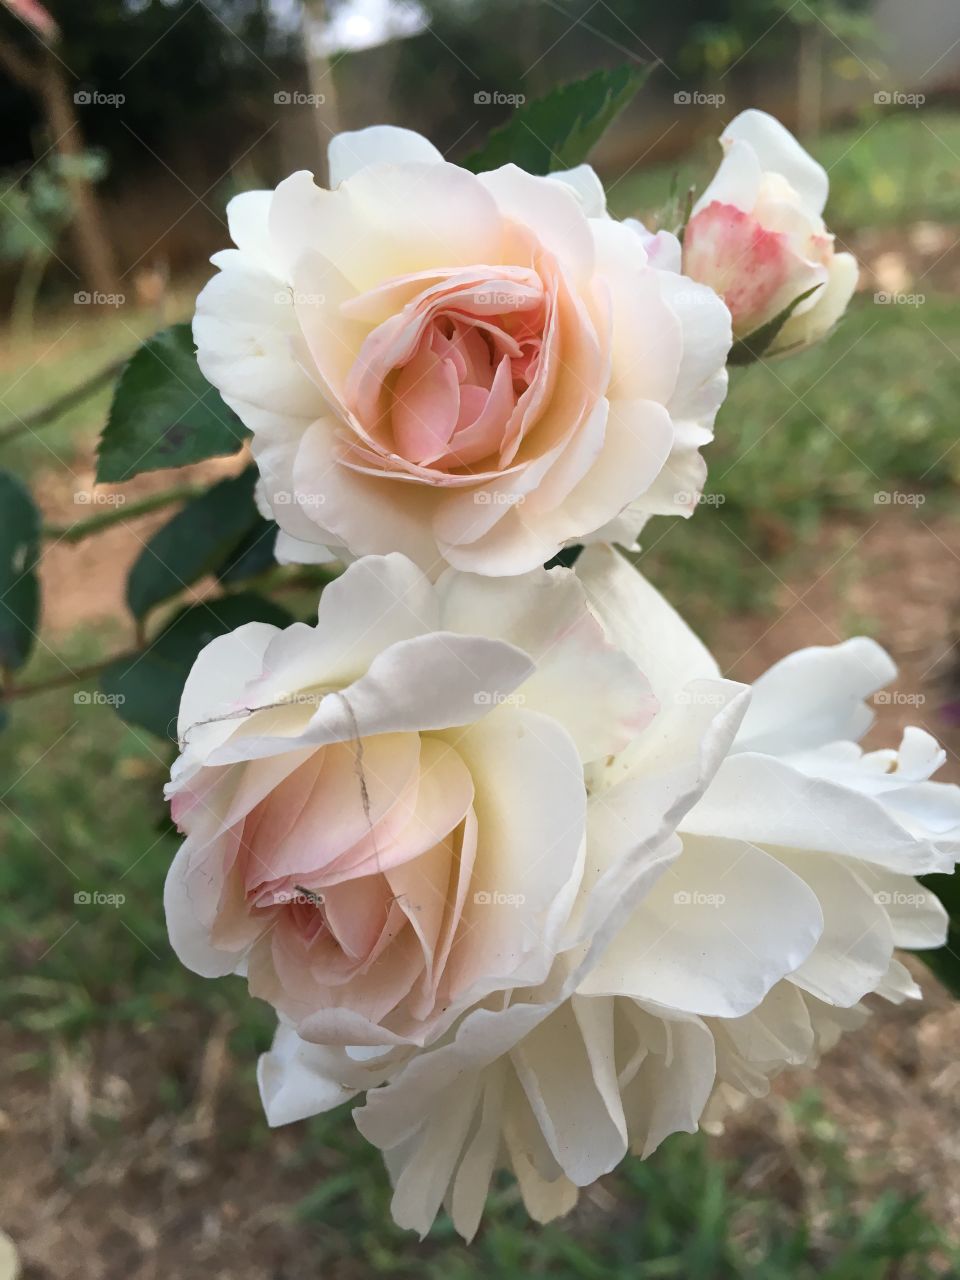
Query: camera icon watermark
x,y
694,898
694,98
94,98
898,898
496,498
297,98
488,698
293,298
699,698
687,498
298,896
96,898
895,98
897,698
884,298
896,498
496,98
97,698
296,498
95,498
96,299
493,898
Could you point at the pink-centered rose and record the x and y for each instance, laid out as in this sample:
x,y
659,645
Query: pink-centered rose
x,y
757,236
385,813
474,370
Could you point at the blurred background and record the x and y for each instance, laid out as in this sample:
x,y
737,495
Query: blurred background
x,y
131,1139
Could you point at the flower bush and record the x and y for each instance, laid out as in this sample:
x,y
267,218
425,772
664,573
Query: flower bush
x,y
514,864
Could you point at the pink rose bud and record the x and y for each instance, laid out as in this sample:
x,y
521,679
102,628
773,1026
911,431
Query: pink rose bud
x,y
757,237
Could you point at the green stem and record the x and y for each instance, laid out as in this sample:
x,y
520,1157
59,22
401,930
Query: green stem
x,y
126,511
17,426
14,692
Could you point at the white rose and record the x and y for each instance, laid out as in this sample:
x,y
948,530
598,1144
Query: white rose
x,y
757,236
749,952
385,812
473,370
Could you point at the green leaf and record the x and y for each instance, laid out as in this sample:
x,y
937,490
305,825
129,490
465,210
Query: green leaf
x,y
19,585
203,534
945,962
164,412
146,687
252,556
754,345
558,131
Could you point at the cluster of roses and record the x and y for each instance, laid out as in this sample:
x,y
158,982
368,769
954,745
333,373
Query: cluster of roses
x,y
499,844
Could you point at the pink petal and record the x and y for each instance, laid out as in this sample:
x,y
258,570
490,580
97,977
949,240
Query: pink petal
x,y
426,405
754,270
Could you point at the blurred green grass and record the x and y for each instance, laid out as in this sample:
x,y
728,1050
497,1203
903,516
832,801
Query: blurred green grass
x,y
799,441
886,169
824,434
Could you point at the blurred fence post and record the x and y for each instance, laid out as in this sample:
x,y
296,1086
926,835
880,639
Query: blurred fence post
x,y
320,79
810,80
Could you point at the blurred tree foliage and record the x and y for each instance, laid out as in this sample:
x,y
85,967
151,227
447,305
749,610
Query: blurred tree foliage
x,y
491,45
35,210
177,63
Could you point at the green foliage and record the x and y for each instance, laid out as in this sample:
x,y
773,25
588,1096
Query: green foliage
x,y
146,687
164,412
19,584
204,535
754,347
809,437
252,556
945,961
559,130
37,207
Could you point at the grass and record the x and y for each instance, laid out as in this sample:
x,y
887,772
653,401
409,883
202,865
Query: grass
x,y
831,432
870,411
66,349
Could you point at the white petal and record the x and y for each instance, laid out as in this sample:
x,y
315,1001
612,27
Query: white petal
x,y
568,1072
352,151
248,223
298,1079
760,798
290,550
828,305
640,622
737,180
246,329
221,672
471,1182
815,696
435,681
596,692
422,1184
583,180
856,946
917,917
552,212
531,813
672,1086
778,151
714,934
